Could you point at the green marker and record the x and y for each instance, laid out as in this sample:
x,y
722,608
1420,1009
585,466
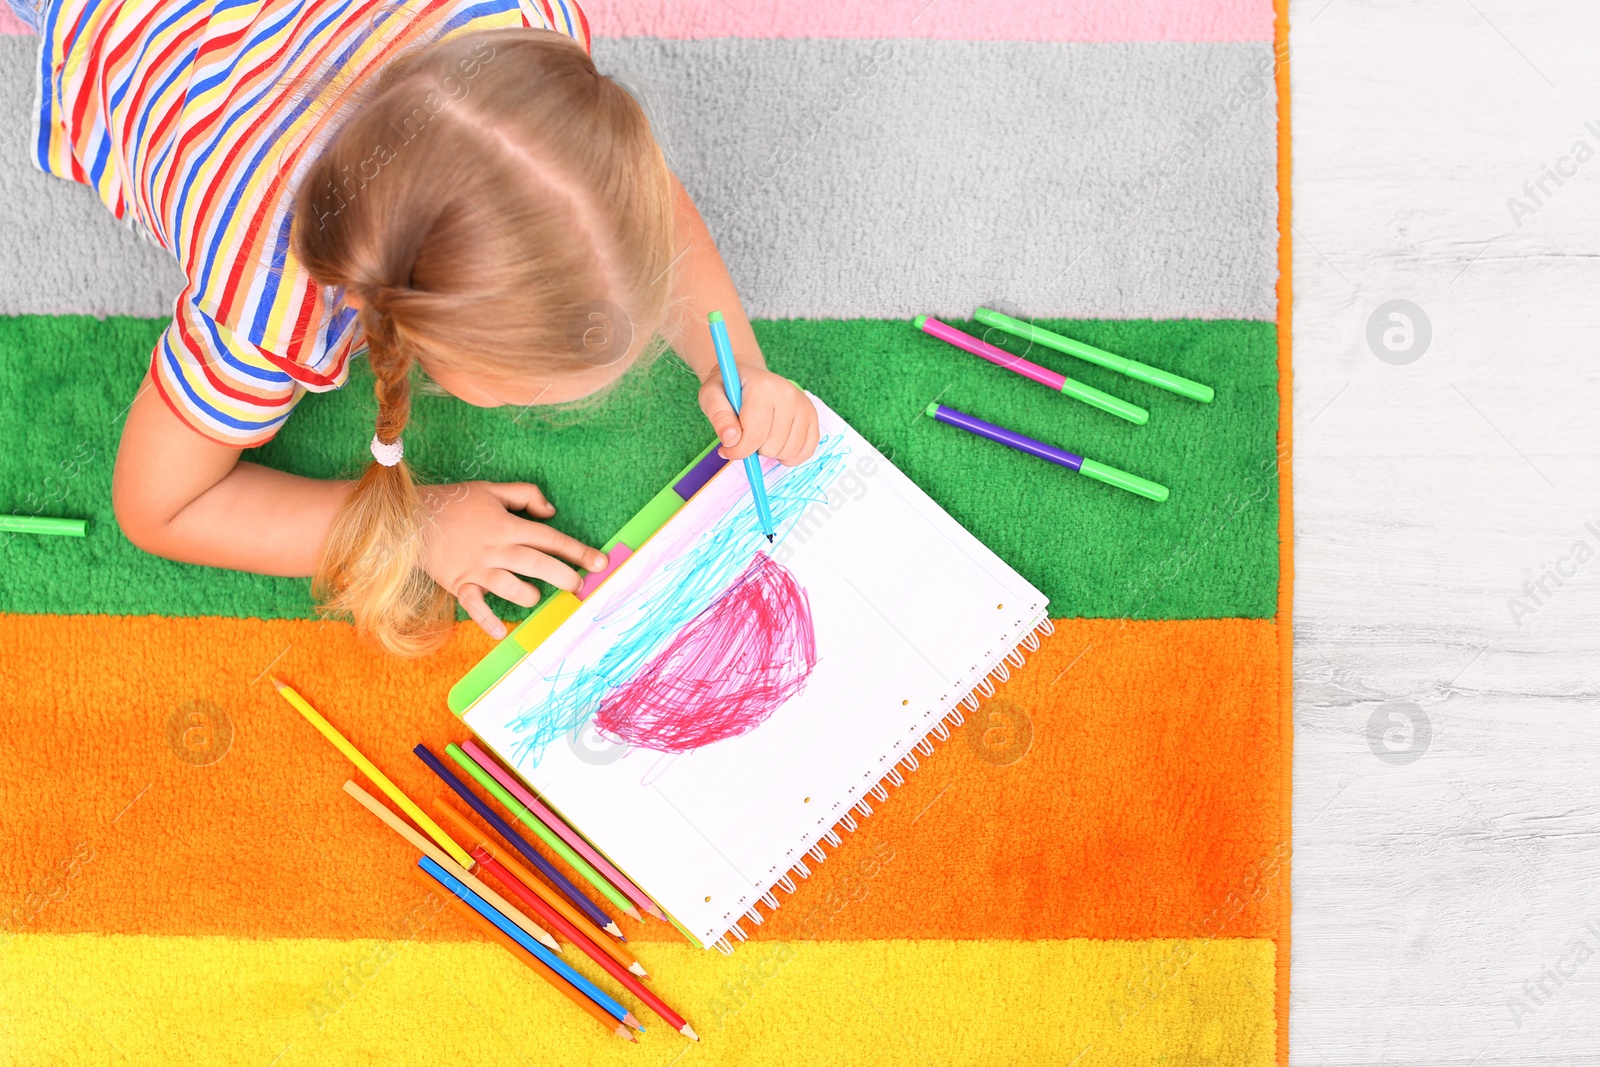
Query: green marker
x,y
1121,364
38,524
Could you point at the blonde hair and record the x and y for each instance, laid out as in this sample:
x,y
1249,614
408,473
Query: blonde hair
x,y
490,197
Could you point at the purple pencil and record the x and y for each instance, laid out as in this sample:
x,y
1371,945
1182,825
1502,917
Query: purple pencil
x,y
1070,460
518,842
566,833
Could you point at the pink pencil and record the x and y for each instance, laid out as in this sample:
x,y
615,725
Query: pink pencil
x,y
565,832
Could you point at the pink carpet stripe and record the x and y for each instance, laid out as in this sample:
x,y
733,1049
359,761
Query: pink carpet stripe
x,y
958,20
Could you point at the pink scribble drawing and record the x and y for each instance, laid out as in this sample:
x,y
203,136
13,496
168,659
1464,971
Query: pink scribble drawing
x,y
724,673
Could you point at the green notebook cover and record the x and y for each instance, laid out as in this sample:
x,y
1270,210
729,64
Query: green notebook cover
x,y
517,644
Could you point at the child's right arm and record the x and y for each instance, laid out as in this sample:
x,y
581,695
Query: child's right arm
x,y
180,495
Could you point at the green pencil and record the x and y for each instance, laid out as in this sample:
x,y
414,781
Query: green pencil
x,y
548,836
39,524
1121,364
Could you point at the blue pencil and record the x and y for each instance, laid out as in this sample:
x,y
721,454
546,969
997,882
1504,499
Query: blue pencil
x,y
520,843
735,391
517,934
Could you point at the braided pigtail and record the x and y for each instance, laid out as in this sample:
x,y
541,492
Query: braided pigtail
x,y
483,201
371,560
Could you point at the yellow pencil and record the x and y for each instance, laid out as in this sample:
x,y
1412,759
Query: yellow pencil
x,y
379,779
426,847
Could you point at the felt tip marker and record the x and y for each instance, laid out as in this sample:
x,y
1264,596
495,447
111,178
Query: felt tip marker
x,y
731,386
1132,368
1062,458
1087,394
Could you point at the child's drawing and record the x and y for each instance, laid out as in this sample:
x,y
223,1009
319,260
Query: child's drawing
x,y
725,672
701,645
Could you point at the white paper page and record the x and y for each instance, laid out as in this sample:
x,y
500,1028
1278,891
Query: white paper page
x,y
908,612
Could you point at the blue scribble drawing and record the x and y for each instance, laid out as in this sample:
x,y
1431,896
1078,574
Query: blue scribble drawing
x,y
648,617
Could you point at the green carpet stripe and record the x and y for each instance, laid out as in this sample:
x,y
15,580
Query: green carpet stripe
x,y
1209,552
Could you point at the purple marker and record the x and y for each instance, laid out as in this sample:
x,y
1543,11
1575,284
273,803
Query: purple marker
x,y
1087,467
1043,375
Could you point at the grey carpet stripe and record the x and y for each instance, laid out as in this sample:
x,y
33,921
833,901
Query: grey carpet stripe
x,y
851,179
61,251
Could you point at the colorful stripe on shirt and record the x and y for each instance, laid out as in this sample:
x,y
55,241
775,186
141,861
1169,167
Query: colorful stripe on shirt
x,y
193,121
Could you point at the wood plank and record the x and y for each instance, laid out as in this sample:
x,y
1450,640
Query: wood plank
x,y
1427,893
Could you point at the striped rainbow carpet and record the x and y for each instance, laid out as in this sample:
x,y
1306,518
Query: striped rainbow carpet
x,y
1093,871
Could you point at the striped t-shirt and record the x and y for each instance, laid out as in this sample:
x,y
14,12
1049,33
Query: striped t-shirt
x,y
193,119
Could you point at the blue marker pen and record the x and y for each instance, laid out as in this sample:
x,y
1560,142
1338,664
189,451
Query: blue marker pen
x,y
730,385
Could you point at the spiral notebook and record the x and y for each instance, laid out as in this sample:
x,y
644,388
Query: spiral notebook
x,y
711,709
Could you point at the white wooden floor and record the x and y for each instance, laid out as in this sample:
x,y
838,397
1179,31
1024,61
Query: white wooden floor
x,y
1440,902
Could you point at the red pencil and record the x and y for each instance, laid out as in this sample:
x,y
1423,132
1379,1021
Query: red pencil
x,y
489,930
628,979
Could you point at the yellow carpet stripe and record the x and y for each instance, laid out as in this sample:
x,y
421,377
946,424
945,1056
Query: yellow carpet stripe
x,y
91,998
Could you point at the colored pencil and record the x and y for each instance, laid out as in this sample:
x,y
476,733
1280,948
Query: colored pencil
x,y
498,936
508,800
568,834
427,848
377,777
1070,460
1087,394
595,950
520,881
518,842
735,390
611,1004
1131,368
42,524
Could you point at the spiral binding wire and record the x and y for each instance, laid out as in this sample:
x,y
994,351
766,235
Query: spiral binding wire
x,y
894,776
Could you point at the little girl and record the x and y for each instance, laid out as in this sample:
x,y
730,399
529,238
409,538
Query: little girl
x,y
448,183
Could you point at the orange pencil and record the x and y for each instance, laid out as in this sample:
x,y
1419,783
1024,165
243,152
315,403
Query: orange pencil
x,y
489,930
426,847
557,911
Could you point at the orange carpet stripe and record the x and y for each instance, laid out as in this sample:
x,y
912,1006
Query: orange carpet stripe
x,y
1285,619
1125,784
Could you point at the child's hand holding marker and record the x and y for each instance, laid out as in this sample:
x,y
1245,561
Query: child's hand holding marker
x,y
777,419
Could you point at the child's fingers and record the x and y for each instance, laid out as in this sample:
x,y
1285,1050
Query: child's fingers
x,y
522,496
536,564
553,541
508,586
471,598
813,435
793,450
756,420
724,423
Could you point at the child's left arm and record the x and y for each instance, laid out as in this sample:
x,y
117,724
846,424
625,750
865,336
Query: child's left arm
x,y
776,418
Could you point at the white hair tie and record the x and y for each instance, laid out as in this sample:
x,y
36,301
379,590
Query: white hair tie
x,y
388,454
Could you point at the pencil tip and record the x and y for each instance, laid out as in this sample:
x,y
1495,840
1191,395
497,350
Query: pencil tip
x,y
633,1020
614,930
688,1031
638,969
633,913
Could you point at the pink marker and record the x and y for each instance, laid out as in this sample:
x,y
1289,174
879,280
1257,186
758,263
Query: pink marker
x,y
562,830
1043,375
